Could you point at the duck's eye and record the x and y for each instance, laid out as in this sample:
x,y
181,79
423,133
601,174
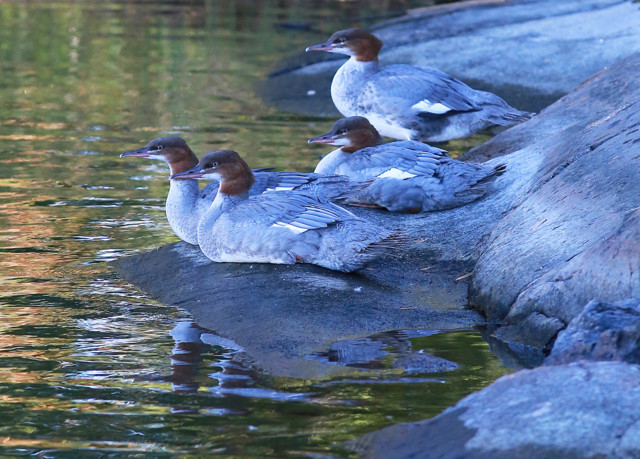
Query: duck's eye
x,y
215,164
341,132
160,147
341,40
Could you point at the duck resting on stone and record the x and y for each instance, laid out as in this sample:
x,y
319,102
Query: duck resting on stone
x,y
407,102
187,203
403,176
281,227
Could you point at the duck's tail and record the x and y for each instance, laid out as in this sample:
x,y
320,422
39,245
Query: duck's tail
x,y
495,173
479,188
497,111
515,116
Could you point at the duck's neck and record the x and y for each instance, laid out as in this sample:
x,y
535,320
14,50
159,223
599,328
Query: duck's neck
x,y
221,204
330,163
357,69
180,208
183,190
365,67
346,84
183,194
226,201
182,163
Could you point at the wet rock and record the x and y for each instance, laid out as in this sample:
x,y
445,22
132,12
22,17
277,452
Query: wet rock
x,y
586,409
602,331
356,352
529,53
376,351
422,362
512,354
572,234
280,314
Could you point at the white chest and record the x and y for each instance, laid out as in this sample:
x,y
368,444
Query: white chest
x,y
348,83
330,163
181,209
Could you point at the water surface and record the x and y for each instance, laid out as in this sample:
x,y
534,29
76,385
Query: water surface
x,y
91,365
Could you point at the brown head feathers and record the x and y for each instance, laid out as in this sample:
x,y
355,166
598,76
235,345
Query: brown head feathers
x,y
173,150
363,45
359,131
235,174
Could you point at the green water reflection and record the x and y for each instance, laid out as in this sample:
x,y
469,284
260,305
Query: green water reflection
x,y
86,359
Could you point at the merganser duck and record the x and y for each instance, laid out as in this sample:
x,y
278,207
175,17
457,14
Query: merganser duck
x,y
404,176
407,102
186,203
281,227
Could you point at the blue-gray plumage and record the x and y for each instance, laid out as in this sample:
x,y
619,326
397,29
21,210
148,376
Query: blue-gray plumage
x,y
186,203
280,226
408,102
405,176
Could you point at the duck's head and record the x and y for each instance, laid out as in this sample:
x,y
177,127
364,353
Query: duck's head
x,y
225,166
172,150
351,134
352,42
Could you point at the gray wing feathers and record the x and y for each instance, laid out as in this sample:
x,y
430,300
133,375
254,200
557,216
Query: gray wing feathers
x,y
281,180
300,211
427,84
325,186
412,157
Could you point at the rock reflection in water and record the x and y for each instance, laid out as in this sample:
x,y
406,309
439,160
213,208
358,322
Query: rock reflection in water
x,y
386,350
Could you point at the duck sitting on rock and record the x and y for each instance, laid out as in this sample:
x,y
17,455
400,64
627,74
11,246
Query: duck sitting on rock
x,y
282,227
407,102
187,203
405,176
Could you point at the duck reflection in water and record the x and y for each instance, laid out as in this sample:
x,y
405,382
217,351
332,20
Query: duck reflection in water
x,y
186,356
191,342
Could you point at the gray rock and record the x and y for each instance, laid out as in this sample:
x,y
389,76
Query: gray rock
x,y
280,314
572,235
376,351
602,331
586,409
356,352
529,53
421,362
